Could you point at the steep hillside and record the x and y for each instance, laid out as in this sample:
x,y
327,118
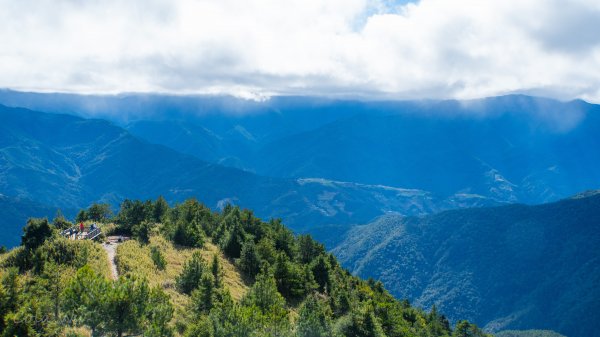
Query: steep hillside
x,y
192,272
510,267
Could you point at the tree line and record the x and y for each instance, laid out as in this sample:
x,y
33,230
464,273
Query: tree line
x,y
298,289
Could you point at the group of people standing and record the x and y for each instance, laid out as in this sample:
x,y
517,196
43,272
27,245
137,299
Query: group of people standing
x,y
73,230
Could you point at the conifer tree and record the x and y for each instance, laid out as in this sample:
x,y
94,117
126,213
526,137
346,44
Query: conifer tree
x,y
315,318
35,233
249,259
190,276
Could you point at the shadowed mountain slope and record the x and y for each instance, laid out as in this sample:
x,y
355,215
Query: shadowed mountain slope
x,y
510,267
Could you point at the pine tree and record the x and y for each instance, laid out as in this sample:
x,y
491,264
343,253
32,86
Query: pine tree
x,y
81,216
265,296
249,259
364,323
35,233
466,329
321,272
315,318
217,271
309,249
159,312
84,298
125,305
99,212
204,298
232,246
160,209
190,276
60,221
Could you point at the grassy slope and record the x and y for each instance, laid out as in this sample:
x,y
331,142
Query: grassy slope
x,y
135,258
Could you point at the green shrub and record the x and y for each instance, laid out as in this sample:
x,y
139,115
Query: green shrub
x,y
158,258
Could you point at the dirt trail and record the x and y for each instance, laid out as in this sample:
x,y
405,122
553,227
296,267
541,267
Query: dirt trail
x,y
111,251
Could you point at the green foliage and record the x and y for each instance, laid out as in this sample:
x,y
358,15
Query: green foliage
x,y
204,297
60,222
265,297
62,251
437,324
125,305
266,250
188,222
83,298
232,244
321,270
216,270
309,249
35,233
99,212
203,327
9,291
364,323
249,259
188,234
158,258
297,288
290,278
160,209
190,277
141,231
81,216
466,329
284,239
315,318
131,213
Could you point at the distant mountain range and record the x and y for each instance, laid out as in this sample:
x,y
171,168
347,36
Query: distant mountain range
x,y
64,161
509,267
327,166
507,149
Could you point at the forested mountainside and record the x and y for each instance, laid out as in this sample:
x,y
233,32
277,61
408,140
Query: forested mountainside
x,y
68,162
511,149
510,267
192,272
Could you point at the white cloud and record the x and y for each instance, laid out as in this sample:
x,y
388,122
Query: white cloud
x,y
256,48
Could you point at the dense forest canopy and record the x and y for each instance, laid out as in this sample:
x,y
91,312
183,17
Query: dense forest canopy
x,y
53,286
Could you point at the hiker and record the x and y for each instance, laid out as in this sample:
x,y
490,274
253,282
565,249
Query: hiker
x,y
81,227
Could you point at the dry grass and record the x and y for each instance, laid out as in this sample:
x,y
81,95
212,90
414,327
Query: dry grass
x,y
135,258
97,258
79,332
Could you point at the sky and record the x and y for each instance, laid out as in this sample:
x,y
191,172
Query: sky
x,y
343,48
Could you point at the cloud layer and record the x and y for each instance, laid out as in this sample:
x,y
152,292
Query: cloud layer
x,y
256,48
